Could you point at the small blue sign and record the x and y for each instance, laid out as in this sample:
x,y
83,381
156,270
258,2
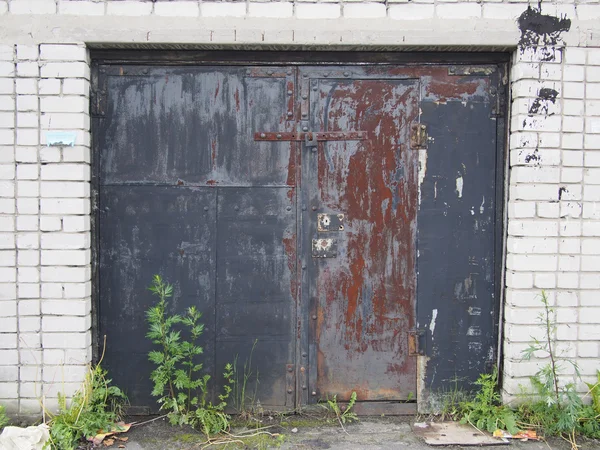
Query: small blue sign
x,y
60,138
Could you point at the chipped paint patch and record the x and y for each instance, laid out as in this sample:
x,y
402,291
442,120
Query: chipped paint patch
x,y
422,171
474,331
474,311
434,314
459,186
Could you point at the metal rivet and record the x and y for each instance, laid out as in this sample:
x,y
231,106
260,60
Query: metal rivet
x,y
313,393
314,149
304,128
304,355
304,114
289,114
290,92
314,208
303,387
303,266
314,317
247,71
304,97
289,72
269,72
289,208
346,74
304,75
290,369
303,207
263,135
237,208
278,136
206,208
326,74
314,88
289,391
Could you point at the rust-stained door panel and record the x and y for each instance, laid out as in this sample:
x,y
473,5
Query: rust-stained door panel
x,y
345,218
362,295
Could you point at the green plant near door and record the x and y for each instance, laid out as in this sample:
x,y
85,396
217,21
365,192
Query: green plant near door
x,y
179,384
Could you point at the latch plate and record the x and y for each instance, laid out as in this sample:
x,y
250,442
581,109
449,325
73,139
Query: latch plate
x,y
330,222
324,248
416,346
418,136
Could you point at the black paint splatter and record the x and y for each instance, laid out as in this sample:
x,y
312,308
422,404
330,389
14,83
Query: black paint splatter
x,y
539,29
561,191
534,157
540,104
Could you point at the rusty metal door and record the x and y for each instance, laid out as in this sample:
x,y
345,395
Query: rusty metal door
x,y
304,207
360,233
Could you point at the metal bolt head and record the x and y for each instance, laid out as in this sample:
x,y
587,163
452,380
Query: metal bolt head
x,y
314,88
304,128
326,74
263,135
278,136
290,92
304,97
304,355
314,317
303,387
313,393
206,208
289,114
289,208
314,208
304,114
290,391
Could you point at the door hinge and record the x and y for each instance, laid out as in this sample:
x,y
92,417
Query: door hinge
x,y
418,136
416,342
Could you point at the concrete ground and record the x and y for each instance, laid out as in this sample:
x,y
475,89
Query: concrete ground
x,y
297,432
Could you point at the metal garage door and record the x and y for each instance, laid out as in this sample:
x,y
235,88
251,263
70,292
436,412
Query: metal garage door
x,y
343,217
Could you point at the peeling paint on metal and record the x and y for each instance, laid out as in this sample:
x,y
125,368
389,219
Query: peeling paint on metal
x,y
459,186
434,314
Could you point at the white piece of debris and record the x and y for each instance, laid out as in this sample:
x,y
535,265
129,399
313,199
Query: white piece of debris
x,y
30,438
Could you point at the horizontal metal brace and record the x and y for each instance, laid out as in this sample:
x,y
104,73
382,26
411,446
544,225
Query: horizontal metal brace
x,y
471,70
310,136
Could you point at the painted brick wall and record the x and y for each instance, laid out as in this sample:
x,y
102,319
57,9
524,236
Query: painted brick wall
x,y
553,227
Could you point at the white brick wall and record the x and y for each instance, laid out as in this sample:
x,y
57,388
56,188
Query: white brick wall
x,y
44,221
554,155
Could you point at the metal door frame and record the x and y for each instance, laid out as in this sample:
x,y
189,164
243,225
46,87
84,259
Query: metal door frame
x,y
303,58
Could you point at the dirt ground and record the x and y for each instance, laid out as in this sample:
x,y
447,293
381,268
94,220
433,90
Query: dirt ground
x,y
306,432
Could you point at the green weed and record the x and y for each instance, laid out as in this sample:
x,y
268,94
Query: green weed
x,y
244,403
180,386
96,406
347,415
485,410
4,420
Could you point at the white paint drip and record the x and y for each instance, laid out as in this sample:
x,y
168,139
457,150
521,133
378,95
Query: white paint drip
x,y
459,186
473,331
472,211
432,323
481,209
422,170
